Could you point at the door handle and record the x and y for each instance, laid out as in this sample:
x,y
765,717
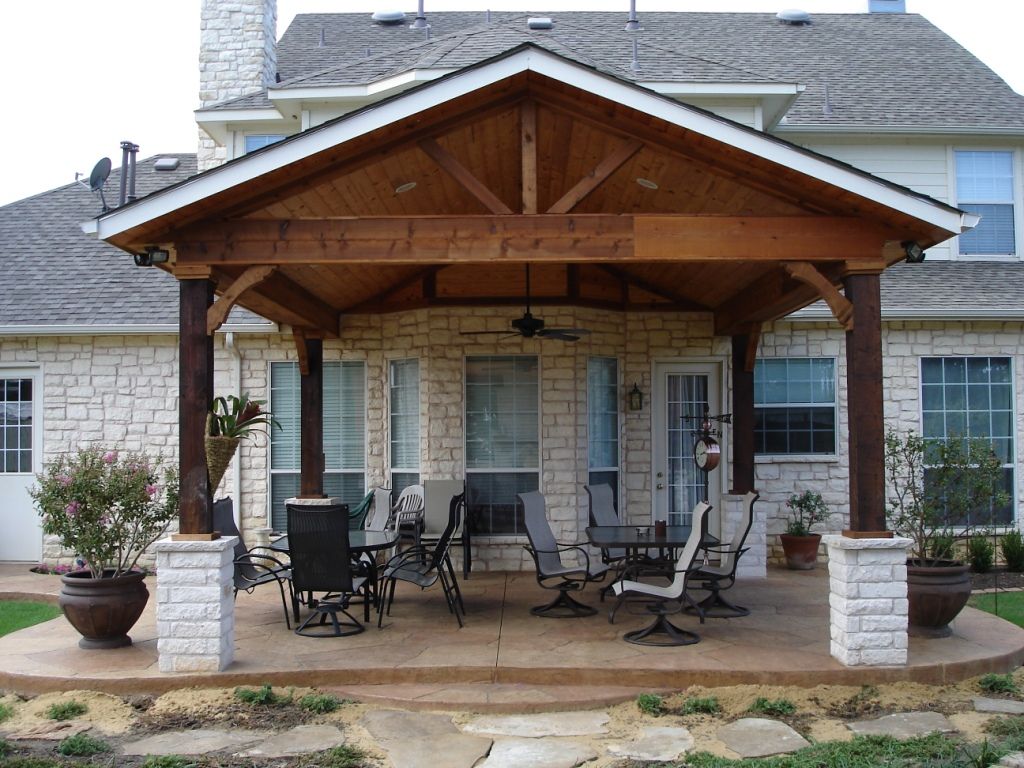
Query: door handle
x,y
660,486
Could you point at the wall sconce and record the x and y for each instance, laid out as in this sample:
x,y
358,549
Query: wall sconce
x,y
636,398
153,255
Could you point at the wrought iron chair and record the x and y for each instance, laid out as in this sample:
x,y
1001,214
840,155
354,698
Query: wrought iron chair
x,y
253,568
321,562
551,572
424,566
715,578
663,601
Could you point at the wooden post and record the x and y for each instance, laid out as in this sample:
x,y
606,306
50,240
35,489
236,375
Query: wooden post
x,y
742,415
195,387
311,421
865,405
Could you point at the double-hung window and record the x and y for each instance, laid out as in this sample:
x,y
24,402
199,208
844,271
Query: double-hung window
x,y
985,185
795,406
603,422
502,439
404,390
254,141
344,425
971,397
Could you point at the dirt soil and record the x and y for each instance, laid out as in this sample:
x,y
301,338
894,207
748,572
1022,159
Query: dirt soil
x,y
997,577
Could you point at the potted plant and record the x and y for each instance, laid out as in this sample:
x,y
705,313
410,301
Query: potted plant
x,y
798,543
231,420
938,489
107,507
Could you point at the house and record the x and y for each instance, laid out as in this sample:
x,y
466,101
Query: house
x,y
392,192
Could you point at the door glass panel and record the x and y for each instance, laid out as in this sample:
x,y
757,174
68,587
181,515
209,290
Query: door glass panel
x,y
687,398
15,425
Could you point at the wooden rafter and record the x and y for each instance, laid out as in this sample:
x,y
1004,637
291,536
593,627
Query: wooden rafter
x,y
528,142
425,277
750,353
680,302
464,177
769,298
841,307
301,351
288,301
596,177
218,313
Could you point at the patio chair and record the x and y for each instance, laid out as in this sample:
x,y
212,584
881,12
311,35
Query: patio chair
x,y
551,573
437,495
407,514
715,578
667,600
253,568
321,562
425,566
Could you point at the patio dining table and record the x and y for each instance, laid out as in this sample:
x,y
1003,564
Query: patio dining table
x,y
637,541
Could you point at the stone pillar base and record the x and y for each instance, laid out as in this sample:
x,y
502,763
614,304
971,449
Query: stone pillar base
x,y
868,600
195,607
326,501
753,563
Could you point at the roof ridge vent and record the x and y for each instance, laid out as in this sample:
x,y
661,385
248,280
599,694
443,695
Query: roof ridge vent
x,y
385,18
540,22
794,17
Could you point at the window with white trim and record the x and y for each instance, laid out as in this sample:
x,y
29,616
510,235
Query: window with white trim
x,y
603,423
254,141
344,425
502,439
795,406
984,185
404,391
15,426
972,397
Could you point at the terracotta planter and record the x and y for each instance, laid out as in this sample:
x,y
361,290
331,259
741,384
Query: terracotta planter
x,y
801,551
103,610
936,594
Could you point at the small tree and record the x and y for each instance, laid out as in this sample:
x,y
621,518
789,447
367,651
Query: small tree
x,y
938,487
806,510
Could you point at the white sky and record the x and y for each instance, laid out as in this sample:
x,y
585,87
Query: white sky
x,y
82,76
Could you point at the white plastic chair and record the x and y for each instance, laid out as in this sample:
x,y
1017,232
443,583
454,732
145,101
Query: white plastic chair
x,y
407,514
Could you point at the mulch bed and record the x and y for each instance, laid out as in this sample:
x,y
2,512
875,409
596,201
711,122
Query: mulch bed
x,y
997,578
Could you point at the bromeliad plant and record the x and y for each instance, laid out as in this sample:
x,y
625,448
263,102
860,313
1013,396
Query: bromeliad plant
x,y
231,420
806,509
106,506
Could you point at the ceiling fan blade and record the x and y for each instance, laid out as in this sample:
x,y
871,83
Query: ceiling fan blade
x,y
482,333
559,334
564,331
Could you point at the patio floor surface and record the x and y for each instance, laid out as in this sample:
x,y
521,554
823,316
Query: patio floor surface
x,y
503,656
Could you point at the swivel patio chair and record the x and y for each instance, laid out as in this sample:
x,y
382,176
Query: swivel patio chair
x,y
253,568
321,562
551,572
425,566
664,601
715,578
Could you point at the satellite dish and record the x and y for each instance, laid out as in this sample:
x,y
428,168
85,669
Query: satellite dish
x,y
98,178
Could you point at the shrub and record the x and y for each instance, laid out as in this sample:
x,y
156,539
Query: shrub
x,y
320,703
806,510
263,696
66,710
167,761
344,756
6,710
1012,545
773,707
82,745
997,683
5,748
702,706
651,704
981,552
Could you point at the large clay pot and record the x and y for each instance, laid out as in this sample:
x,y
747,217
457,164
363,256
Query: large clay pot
x,y
103,610
801,551
936,594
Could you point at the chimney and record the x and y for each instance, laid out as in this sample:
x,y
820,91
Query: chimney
x,y
237,55
887,6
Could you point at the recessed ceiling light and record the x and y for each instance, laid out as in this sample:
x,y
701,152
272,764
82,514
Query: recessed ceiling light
x,y
646,183
409,186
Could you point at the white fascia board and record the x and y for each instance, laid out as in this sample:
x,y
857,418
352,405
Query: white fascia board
x,y
237,115
970,221
467,81
114,329
732,90
88,227
344,92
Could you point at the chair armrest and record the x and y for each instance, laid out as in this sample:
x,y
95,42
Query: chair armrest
x,y
420,554
252,556
564,548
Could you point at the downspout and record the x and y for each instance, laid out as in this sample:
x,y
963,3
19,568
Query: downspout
x,y
236,464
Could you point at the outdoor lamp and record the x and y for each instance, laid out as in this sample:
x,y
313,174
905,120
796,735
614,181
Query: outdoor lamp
x,y
153,255
914,252
636,398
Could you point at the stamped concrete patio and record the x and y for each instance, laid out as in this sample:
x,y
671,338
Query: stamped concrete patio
x,y
504,658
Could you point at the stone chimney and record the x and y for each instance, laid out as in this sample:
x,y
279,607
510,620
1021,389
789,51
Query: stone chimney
x,y
237,56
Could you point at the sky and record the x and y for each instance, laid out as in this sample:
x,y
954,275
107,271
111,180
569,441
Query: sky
x,y
80,77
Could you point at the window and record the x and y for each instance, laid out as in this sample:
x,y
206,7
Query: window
x,y
603,423
405,424
254,141
502,443
15,425
344,423
971,397
984,185
795,406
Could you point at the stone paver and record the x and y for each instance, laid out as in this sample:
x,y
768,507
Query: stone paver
x,y
1012,760
299,740
198,742
51,731
1000,706
903,725
532,726
538,753
654,743
403,736
760,737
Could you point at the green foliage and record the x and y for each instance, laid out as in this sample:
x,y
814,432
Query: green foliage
x,y
105,506
997,683
5,748
345,756
806,510
18,614
772,707
937,486
6,710
861,752
1006,727
650,704
263,696
238,417
82,745
167,761
66,710
1007,605
981,552
943,547
701,706
320,703
1012,546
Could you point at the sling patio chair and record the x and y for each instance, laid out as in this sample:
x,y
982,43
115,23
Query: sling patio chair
x,y
715,578
551,572
663,601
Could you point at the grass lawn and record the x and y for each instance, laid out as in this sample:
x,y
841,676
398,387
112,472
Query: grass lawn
x,y
1011,605
18,614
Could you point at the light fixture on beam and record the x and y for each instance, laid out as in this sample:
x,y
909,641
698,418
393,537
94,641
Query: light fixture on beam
x,y
914,252
153,255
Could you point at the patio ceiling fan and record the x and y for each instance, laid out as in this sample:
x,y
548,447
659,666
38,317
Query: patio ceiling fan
x,y
529,327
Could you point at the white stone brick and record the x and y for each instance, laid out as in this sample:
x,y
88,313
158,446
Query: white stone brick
x,y
884,657
883,624
889,589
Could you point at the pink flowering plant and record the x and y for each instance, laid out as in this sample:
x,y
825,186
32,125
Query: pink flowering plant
x,y
106,506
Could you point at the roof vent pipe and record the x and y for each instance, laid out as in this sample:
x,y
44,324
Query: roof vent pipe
x,y
127,191
487,15
540,22
633,25
320,43
635,64
421,18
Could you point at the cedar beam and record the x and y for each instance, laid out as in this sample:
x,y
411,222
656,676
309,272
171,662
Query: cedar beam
x,y
769,298
311,419
658,290
377,302
596,177
218,313
528,141
743,418
841,308
464,177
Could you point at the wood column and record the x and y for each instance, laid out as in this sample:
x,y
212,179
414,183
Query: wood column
x,y
742,415
195,394
311,422
865,404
